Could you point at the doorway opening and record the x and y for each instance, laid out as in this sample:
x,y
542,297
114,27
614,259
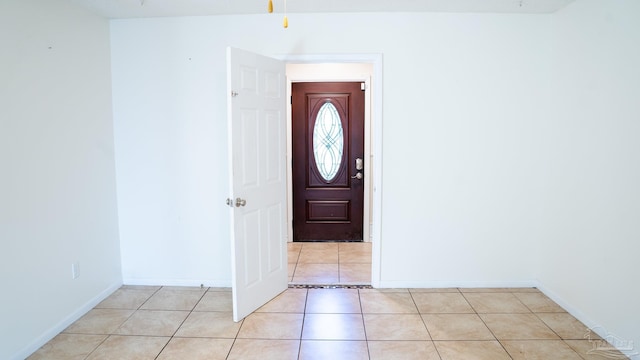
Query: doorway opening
x,y
320,262
258,124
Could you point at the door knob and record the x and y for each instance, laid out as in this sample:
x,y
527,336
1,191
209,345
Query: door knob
x,y
358,176
240,202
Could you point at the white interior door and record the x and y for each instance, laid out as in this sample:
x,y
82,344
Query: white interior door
x,y
257,135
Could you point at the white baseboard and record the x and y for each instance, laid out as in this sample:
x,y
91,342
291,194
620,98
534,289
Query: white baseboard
x,y
456,284
583,318
565,305
70,319
174,282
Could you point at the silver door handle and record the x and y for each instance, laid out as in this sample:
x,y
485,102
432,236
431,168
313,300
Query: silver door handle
x,y
358,176
240,202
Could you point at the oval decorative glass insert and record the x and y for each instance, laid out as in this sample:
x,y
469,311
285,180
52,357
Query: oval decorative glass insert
x,y
328,141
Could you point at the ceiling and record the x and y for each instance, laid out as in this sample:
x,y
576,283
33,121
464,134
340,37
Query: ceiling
x,y
164,8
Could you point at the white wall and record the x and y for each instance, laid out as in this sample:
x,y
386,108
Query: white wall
x,y
171,153
589,243
463,95
509,146
57,188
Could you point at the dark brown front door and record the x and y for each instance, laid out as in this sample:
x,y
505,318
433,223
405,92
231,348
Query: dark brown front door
x,y
328,161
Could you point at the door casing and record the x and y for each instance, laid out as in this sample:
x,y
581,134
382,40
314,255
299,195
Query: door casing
x,y
323,68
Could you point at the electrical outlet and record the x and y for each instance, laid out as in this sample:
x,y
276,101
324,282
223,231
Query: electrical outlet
x,y
75,270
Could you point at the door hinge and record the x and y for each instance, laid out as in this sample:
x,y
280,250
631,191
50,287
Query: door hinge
x,y
291,99
363,86
234,93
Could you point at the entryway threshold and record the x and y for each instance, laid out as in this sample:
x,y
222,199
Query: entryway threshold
x,y
329,286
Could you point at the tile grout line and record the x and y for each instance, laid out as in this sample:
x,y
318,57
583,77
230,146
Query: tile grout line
x,y
424,323
555,332
530,312
485,324
304,318
503,343
181,323
112,332
235,338
364,325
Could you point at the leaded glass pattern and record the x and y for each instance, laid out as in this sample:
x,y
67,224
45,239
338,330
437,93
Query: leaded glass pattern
x,y
328,141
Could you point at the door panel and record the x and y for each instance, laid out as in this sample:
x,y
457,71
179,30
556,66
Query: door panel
x,y
327,198
257,150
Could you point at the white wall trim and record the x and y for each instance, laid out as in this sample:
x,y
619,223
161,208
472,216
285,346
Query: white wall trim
x,y
179,282
46,336
327,73
456,284
583,318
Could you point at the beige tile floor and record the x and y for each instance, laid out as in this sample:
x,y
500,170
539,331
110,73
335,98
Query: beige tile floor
x,y
343,263
325,323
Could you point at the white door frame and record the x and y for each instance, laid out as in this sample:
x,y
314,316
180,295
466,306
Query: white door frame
x,y
373,139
